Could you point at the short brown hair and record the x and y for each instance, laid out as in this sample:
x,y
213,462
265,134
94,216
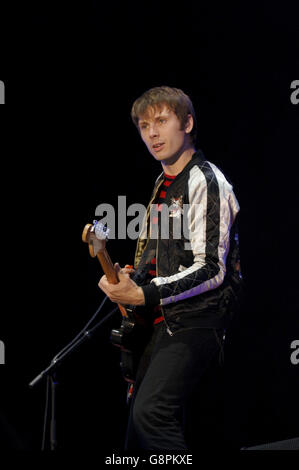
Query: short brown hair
x,y
174,98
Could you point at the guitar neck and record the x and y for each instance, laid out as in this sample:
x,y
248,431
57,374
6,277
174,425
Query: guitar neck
x,y
97,245
107,266
111,274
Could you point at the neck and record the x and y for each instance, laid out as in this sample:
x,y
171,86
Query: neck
x,y
174,165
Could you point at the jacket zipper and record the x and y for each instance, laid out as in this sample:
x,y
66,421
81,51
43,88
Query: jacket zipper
x,y
167,327
148,220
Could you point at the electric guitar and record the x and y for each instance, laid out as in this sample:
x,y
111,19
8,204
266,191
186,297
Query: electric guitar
x,y
134,330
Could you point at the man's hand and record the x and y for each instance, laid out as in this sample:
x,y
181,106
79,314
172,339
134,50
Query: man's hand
x,y
126,292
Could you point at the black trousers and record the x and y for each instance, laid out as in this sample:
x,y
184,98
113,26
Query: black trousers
x,y
170,376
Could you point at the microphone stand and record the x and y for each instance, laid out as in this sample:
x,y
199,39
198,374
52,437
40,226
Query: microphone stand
x,y
50,373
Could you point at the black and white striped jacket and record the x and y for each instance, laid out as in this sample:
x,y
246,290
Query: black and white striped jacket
x,y
198,268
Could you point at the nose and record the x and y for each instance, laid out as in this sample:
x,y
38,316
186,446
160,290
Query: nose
x,y
153,130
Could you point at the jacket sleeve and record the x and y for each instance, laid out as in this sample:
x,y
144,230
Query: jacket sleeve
x,y
210,214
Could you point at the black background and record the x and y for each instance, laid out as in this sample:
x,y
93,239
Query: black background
x,y
71,73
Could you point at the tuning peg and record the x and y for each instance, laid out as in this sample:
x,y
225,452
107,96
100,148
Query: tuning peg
x,y
101,231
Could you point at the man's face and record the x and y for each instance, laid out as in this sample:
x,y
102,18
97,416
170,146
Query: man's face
x,y
161,132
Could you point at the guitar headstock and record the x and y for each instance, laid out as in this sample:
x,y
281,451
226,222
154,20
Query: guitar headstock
x,y
96,236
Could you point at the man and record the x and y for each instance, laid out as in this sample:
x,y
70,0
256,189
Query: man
x,y
190,277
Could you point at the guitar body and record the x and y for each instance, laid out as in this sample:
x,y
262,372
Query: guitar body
x,y
134,332
131,338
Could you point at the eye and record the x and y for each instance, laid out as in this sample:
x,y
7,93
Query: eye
x,y
162,120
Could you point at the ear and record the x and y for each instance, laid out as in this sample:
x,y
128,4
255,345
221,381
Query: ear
x,y
189,124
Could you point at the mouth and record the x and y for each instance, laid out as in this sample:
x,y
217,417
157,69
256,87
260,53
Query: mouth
x,y
158,146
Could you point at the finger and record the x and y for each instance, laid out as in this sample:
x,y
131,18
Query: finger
x,y
117,267
123,273
129,266
129,269
103,282
103,278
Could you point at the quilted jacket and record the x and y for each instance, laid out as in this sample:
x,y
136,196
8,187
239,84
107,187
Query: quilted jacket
x,y
196,247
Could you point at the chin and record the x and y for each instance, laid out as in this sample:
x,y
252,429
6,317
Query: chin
x,y
159,157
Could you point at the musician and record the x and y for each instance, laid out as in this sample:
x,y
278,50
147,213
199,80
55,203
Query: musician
x,y
189,280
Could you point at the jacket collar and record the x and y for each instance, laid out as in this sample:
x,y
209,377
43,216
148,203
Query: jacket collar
x,y
196,157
